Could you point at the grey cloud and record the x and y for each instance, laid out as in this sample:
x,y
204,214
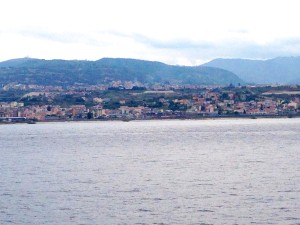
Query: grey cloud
x,y
155,43
64,38
174,44
238,49
226,49
185,48
284,47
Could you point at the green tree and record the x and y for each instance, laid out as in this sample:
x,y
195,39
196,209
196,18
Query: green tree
x,y
90,115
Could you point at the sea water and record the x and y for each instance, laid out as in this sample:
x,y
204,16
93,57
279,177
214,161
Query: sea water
x,y
151,172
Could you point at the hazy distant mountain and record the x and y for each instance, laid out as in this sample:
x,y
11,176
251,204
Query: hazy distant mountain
x,y
295,81
68,72
278,70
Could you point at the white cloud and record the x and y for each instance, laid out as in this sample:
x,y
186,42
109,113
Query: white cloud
x,y
173,31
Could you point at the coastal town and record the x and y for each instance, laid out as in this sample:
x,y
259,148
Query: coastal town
x,y
135,101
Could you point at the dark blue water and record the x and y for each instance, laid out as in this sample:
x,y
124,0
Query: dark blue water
x,y
157,172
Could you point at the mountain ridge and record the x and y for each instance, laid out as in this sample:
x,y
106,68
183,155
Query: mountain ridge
x,y
283,70
68,72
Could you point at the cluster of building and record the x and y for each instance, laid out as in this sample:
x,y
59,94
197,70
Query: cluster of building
x,y
211,103
78,112
208,103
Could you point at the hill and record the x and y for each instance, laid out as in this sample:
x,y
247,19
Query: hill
x,y
283,70
68,72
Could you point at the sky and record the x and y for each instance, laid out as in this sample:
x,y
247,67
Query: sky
x,y
178,32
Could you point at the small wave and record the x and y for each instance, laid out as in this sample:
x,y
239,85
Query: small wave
x,y
6,194
65,209
205,210
145,210
135,190
292,218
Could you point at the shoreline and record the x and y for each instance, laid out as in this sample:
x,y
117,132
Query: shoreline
x,y
29,122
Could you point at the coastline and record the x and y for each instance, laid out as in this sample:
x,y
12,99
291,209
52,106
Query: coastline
x,y
219,117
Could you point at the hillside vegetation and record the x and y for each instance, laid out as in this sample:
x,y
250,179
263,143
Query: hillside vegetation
x,y
69,72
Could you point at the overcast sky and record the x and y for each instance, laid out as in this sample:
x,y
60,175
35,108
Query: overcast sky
x,y
184,32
